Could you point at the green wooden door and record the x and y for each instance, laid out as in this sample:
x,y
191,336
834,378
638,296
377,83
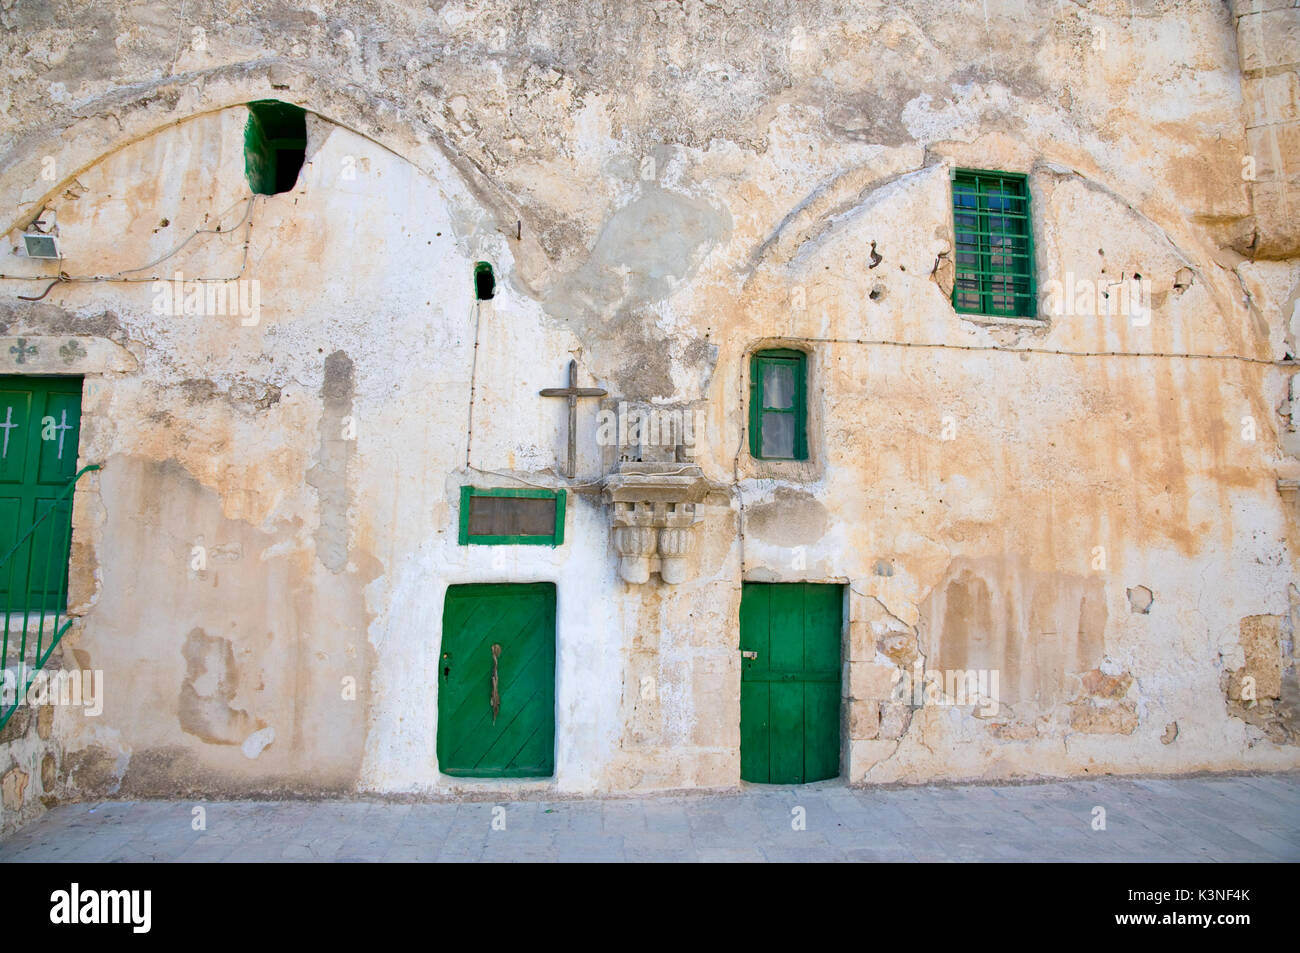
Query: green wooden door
x,y
508,631
40,424
790,682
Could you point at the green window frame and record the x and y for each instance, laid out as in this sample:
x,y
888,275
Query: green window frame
x,y
993,244
469,493
773,411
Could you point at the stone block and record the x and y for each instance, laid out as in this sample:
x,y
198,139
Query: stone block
x,y
895,717
1275,149
1106,686
864,720
1274,98
1094,718
718,769
862,642
869,680
865,755
1259,641
13,789
1270,38
49,773
17,725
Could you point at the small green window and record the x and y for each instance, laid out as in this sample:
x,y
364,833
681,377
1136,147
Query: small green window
x,y
485,283
275,145
502,517
778,405
994,245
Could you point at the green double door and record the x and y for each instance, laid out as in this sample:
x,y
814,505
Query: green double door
x,y
496,681
790,682
40,424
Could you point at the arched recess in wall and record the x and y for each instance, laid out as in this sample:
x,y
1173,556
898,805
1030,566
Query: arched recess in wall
x,y
51,158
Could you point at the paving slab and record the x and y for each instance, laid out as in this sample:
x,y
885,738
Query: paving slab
x,y
1245,818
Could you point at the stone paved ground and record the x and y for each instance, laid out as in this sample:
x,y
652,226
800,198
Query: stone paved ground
x,y
1240,818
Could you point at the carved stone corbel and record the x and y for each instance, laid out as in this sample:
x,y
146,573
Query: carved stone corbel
x,y
653,519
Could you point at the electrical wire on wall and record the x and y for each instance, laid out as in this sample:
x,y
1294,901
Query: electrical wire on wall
x,y
120,276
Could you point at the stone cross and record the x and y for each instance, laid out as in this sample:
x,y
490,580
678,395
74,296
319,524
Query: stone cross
x,y
573,392
21,350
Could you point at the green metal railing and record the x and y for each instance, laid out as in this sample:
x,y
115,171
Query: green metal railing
x,y
36,593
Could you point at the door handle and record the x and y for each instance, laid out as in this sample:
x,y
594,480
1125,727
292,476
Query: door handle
x,y
496,691
744,654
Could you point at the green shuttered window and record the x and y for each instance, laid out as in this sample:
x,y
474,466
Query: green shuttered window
x,y
994,245
778,405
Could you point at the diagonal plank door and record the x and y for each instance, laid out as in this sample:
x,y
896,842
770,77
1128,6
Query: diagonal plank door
x,y
518,739
790,682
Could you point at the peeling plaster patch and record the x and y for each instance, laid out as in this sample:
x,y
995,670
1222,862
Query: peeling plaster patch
x,y
1090,717
955,118
257,742
1140,599
1263,691
1171,732
1013,731
211,679
642,253
792,518
1101,685
1104,710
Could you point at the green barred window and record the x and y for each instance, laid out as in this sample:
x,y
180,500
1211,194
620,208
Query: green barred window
x,y
994,245
778,405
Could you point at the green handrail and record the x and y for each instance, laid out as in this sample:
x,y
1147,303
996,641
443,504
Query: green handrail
x,y
25,675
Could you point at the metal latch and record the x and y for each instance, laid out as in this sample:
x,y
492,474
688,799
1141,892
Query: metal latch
x,y
748,654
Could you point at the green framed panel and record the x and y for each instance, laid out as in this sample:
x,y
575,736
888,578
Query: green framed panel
x,y
993,241
778,405
40,428
496,681
790,694
551,535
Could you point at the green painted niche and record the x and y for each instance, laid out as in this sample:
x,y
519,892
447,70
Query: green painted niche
x,y
275,143
485,283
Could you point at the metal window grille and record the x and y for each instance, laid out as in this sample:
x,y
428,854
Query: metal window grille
x,y
994,245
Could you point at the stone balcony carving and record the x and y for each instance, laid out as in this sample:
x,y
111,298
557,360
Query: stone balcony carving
x,y
653,517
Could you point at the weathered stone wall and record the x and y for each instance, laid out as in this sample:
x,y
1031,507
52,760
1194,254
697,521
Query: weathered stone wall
x,y
662,188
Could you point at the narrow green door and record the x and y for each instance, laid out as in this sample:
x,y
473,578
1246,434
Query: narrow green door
x,y
40,424
790,682
496,681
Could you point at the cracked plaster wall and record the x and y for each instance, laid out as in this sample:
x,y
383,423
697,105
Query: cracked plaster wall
x,y
660,187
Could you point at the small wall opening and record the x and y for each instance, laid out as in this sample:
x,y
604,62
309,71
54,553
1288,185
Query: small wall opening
x,y
275,143
485,283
